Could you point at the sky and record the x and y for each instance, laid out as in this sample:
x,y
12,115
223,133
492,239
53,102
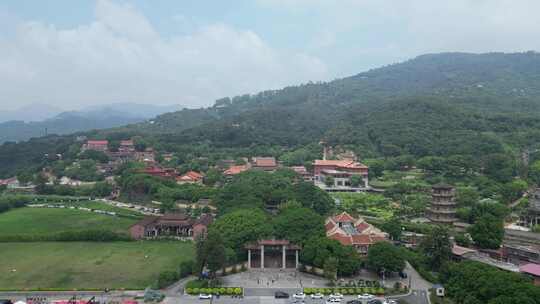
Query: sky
x,y
73,54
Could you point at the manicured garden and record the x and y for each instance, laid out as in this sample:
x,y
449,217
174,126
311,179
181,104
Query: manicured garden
x,y
88,265
346,291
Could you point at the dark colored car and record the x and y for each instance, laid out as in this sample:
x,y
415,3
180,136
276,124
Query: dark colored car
x,y
5,301
375,301
354,302
281,295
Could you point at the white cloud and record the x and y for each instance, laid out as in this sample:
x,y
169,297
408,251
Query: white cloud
x,y
120,57
369,33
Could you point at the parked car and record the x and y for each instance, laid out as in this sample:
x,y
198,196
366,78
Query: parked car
x,y
366,296
354,302
281,295
204,296
299,296
333,301
390,301
336,296
5,301
317,296
376,301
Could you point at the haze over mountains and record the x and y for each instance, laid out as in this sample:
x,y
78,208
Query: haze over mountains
x,y
436,104
39,120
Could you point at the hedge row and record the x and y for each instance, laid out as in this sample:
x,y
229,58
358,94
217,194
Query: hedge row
x,y
228,291
345,291
69,236
8,202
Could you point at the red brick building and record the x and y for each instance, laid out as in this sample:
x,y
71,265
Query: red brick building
x,y
341,171
190,177
264,163
170,225
96,145
354,232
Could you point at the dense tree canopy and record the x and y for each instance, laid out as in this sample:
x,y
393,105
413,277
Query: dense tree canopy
x,y
318,250
385,257
473,282
298,225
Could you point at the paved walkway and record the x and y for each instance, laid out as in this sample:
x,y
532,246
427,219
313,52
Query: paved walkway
x,y
273,278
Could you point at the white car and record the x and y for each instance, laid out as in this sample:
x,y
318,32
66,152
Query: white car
x,y
317,296
333,301
299,296
204,296
366,296
390,302
336,296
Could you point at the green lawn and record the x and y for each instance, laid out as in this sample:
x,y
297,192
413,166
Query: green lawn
x,y
86,265
36,221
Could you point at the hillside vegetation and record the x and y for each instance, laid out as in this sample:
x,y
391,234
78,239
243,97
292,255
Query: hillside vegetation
x,y
437,104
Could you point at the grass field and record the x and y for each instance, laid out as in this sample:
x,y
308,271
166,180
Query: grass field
x,y
42,221
86,265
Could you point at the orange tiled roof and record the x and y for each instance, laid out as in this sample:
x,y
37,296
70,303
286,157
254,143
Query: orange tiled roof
x,y
362,226
340,163
343,239
344,217
329,226
98,142
233,170
265,161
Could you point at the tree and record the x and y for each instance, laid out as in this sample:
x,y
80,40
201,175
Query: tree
x,y
385,257
25,177
312,197
102,189
514,190
474,282
376,168
437,247
242,226
534,172
330,268
98,156
329,181
462,240
298,224
316,251
215,252
487,232
393,227
356,180
200,256
467,196
212,177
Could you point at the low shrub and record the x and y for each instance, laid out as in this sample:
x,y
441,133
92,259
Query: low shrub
x,y
166,278
226,291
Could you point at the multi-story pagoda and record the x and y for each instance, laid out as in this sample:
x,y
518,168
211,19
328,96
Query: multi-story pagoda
x,y
443,206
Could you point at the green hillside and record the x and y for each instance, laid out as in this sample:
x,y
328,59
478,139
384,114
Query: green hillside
x,y
436,104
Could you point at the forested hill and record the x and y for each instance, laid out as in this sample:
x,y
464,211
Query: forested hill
x,y
402,108
485,82
435,104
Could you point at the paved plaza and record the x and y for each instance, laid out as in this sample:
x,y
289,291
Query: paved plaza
x,y
274,278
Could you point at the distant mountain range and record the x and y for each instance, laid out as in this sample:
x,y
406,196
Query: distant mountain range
x,y
450,105
26,123
33,112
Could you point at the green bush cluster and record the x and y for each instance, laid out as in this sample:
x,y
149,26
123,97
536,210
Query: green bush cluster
x,y
9,202
166,278
228,291
346,291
